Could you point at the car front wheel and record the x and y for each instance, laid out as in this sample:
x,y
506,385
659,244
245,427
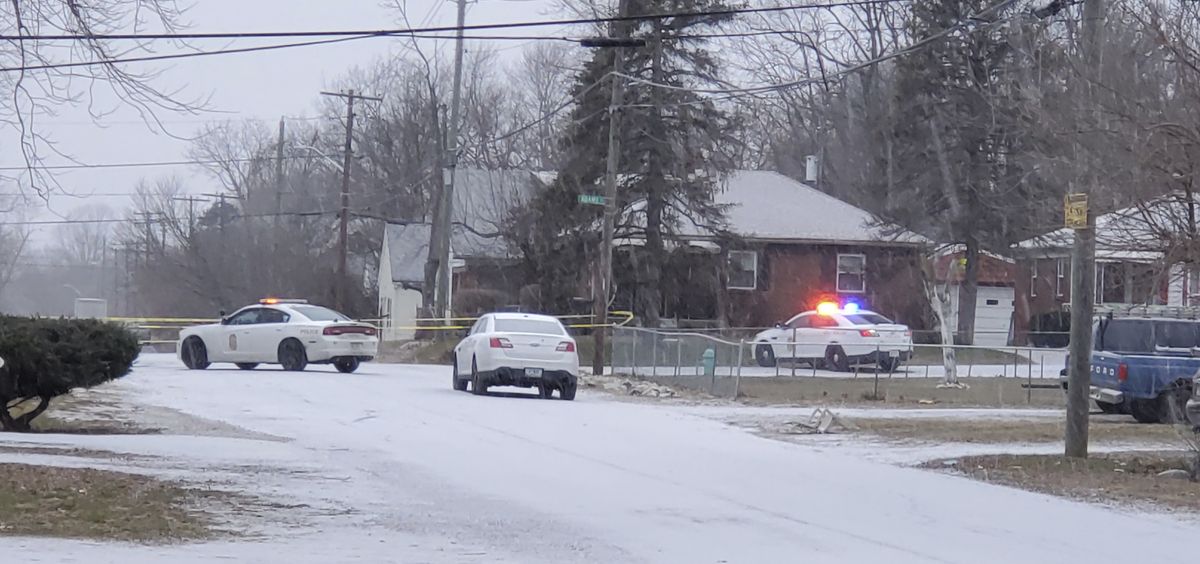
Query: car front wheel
x,y
765,356
460,384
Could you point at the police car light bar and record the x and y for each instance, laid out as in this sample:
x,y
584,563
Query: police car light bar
x,y
273,301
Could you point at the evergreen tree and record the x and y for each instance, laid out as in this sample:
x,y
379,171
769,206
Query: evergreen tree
x,y
671,153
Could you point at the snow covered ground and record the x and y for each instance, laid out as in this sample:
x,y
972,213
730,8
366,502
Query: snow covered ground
x,y
391,465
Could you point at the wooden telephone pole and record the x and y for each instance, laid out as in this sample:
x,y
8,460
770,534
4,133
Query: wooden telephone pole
x,y
340,293
1083,258
440,230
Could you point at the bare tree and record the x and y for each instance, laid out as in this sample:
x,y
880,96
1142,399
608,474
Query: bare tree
x,y
88,72
83,242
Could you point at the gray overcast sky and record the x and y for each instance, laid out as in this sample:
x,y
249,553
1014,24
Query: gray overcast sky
x,y
262,85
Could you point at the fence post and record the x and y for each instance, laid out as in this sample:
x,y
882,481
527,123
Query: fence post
x,y
793,352
654,355
678,355
737,380
633,362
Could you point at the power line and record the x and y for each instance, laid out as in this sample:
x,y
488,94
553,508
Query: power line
x,y
140,221
359,34
141,164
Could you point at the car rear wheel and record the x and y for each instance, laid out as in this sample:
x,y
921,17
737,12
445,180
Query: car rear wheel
x,y
460,384
1172,405
765,356
836,359
247,365
478,382
546,390
292,356
1145,410
194,353
567,392
346,364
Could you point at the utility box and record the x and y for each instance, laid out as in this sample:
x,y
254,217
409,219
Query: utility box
x,y
91,308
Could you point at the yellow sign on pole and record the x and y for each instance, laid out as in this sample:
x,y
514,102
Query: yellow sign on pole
x,y
1075,211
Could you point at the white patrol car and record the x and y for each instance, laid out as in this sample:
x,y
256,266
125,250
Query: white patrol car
x,y
837,338
517,349
290,333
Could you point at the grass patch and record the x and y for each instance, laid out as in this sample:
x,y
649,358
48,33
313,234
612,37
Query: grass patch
x,y
1121,477
96,504
898,391
1044,430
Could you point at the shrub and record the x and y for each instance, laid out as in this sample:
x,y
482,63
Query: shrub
x,y
46,358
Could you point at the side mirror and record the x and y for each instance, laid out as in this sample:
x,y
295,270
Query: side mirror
x,y
779,325
224,320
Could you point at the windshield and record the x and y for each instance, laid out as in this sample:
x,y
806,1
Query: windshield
x,y
536,326
318,313
868,319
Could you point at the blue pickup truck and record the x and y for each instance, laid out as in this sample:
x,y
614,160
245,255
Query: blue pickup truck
x,y
1145,367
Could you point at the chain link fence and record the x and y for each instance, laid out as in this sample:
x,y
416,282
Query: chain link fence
x,y
716,363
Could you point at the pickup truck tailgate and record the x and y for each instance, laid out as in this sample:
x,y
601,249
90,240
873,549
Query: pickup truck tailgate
x,y
1141,375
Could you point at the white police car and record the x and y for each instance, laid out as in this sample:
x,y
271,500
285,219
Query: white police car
x,y
291,333
836,338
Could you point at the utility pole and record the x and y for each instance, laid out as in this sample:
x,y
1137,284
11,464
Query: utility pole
x,y
443,223
339,287
279,177
1083,263
191,203
601,294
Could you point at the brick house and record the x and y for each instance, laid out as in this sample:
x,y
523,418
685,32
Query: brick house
x,y
1136,263
784,247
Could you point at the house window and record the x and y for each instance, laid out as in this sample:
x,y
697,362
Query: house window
x,y
1060,276
1192,286
1033,279
851,273
743,270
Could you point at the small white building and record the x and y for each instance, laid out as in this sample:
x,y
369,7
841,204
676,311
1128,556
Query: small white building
x,y
480,257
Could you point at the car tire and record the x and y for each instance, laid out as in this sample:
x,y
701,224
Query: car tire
x,y
567,392
460,384
836,359
194,354
346,364
478,382
889,364
546,391
247,365
765,356
1145,410
292,356
1172,404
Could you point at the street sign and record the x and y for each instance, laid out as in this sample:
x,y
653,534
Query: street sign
x,y
1075,211
592,199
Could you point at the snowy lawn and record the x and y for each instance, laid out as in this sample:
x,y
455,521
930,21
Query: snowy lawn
x,y
391,465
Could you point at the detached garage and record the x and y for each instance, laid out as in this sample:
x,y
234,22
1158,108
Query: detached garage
x,y
995,298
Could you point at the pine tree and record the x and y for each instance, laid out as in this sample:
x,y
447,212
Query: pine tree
x,y
671,159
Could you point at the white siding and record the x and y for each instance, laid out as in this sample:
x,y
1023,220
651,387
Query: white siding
x,y
993,314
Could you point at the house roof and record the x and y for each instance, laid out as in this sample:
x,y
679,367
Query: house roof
x,y
482,201
768,206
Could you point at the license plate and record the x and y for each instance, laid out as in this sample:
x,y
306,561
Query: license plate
x,y
893,354
533,372
356,345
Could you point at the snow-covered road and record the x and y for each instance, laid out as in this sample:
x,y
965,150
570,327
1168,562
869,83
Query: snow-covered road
x,y
420,473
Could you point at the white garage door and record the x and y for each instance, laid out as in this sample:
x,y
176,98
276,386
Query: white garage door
x,y
993,314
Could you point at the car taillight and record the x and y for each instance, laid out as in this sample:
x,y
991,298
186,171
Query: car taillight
x,y
1122,372
908,333
332,331
868,332
566,346
500,343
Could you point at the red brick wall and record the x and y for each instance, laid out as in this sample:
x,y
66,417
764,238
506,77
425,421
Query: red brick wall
x,y
793,278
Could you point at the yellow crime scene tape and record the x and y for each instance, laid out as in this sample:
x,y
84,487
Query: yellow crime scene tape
x,y
168,323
